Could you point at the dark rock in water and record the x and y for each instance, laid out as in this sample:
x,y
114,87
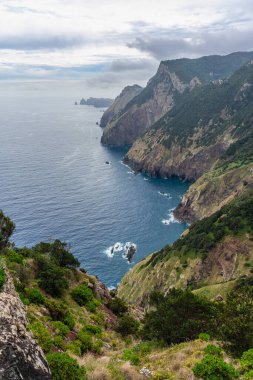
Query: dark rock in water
x,y
130,251
20,355
76,103
107,162
97,123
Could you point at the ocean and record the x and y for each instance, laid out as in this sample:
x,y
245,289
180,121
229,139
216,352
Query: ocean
x,y
55,184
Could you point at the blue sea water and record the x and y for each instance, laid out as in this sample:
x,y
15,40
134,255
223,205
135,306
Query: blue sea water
x,y
54,183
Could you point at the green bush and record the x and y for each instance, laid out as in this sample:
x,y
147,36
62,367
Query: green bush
x,y
127,325
60,328
53,280
211,349
117,306
248,375
236,327
179,316
247,360
131,356
63,367
62,257
94,330
86,340
42,335
92,305
59,312
204,336
214,368
2,278
14,257
6,229
59,342
82,294
75,347
34,296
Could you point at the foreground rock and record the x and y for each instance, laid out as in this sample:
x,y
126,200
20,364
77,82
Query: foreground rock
x,y
20,355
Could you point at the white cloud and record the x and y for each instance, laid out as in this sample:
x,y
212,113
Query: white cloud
x,y
57,38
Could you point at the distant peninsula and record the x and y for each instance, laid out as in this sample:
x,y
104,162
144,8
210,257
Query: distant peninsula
x,y
96,102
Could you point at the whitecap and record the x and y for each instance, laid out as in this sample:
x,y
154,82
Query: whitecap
x,y
123,248
171,219
164,194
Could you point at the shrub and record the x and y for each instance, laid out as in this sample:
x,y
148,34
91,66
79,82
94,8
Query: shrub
x,y
75,347
93,304
213,350
86,340
60,328
248,375
53,280
204,336
63,367
82,294
6,229
247,360
237,320
2,278
117,306
95,330
59,312
214,368
34,296
59,342
42,335
62,256
127,325
131,356
14,257
179,316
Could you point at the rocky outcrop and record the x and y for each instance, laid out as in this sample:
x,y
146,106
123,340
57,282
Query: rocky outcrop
x,y
173,79
20,355
146,108
151,156
96,102
212,191
127,94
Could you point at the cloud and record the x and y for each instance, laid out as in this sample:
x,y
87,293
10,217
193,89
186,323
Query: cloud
x,y
41,42
195,44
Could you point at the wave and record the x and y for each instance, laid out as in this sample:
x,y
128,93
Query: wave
x,y
171,218
127,250
164,194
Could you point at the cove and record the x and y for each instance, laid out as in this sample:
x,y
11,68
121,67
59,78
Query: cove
x,y
58,181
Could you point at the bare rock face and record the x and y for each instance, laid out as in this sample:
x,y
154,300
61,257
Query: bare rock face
x,y
20,355
156,99
127,94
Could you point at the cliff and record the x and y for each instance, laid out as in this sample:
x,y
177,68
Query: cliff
x,y
127,94
173,79
208,258
20,355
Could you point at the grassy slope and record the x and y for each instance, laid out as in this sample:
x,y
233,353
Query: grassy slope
x,y
215,251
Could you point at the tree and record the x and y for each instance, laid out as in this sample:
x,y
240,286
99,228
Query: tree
x,y
6,229
179,316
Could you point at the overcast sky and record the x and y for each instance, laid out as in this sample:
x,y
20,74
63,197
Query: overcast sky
x,y
111,43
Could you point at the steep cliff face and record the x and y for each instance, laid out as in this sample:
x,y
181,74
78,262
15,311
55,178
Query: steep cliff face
x,y
127,94
208,258
164,90
20,356
207,137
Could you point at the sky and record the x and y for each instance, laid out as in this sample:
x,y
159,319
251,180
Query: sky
x,y
107,44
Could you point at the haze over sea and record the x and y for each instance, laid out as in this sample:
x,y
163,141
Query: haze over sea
x,y
54,183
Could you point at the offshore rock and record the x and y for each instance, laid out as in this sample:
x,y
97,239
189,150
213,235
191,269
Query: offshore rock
x,y
20,355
